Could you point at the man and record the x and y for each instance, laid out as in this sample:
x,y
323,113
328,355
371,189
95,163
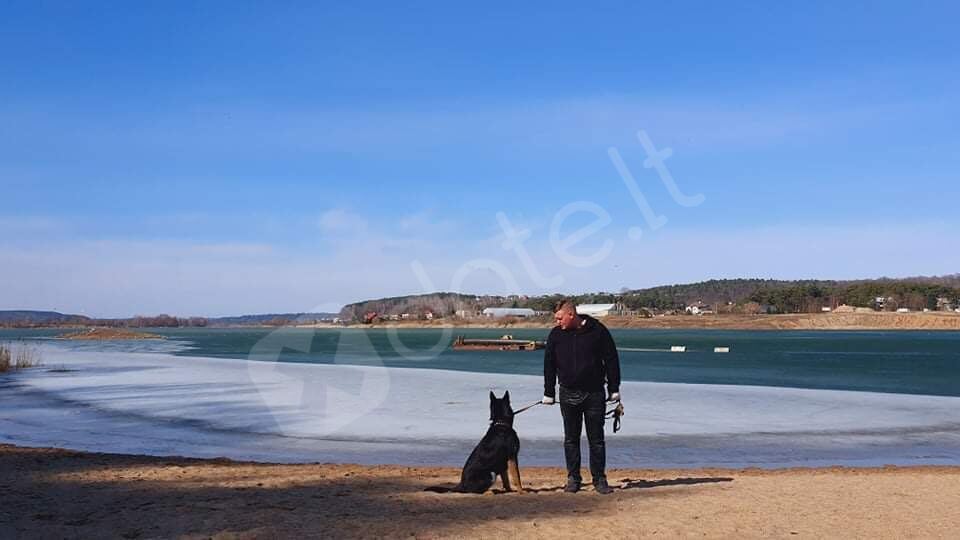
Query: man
x,y
581,353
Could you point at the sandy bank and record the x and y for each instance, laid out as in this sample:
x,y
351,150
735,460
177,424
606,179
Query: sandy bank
x,y
55,493
97,334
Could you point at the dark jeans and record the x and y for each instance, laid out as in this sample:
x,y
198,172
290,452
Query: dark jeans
x,y
576,406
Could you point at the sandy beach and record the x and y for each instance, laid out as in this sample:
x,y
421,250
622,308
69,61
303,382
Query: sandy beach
x,y
48,493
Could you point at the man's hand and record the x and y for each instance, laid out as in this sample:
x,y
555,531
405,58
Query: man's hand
x,y
614,396
547,400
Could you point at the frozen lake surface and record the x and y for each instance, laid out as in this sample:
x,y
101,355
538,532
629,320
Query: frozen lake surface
x,y
161,404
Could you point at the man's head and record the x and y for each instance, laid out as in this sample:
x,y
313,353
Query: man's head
x,y
565,315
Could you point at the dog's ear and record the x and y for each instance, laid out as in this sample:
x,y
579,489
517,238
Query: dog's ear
x,y
506,396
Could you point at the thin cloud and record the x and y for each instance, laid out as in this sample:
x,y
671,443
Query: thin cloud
x,y
31,224
119,278
338,220
570,122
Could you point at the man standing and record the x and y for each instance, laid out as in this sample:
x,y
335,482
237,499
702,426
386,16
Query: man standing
x,y
581,353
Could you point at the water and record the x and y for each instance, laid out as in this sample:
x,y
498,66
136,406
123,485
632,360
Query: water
x,y
906,362
162,404
777,399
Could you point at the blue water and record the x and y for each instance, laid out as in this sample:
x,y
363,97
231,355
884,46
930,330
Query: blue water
x,y
910,362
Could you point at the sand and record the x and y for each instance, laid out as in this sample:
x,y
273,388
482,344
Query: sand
x,y
50,493
97,334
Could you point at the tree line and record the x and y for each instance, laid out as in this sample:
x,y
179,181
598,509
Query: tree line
x,y
887,295
727,295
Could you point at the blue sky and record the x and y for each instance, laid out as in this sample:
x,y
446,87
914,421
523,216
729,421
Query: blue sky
x,y
209,158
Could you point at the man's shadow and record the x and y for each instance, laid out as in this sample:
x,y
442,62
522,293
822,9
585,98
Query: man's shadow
x,y
629,483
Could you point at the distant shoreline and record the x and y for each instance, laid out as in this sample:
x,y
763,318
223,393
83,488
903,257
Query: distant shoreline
x,y
794,321
944,321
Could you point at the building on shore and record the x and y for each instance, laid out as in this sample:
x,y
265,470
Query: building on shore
x,y
496,313
599,310
699,309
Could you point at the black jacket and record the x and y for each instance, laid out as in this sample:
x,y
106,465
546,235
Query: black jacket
x,y
583,359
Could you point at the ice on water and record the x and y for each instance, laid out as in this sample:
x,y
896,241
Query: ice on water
x,y
158,403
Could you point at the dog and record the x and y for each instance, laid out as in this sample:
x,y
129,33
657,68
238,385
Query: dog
x,y
495,454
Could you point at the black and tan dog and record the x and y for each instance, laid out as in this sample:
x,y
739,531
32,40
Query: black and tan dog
x,y
496,454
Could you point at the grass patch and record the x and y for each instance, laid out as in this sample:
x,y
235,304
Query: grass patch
x,y
19,357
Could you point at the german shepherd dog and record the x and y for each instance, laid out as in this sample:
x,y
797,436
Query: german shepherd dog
x,y
496,454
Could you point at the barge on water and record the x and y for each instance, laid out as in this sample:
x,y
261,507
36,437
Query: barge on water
x,y
505,343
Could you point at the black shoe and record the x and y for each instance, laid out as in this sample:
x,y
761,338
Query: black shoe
x,y
573,486
601,487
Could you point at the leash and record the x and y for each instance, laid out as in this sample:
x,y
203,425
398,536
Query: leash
x,y
530,406
615,413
